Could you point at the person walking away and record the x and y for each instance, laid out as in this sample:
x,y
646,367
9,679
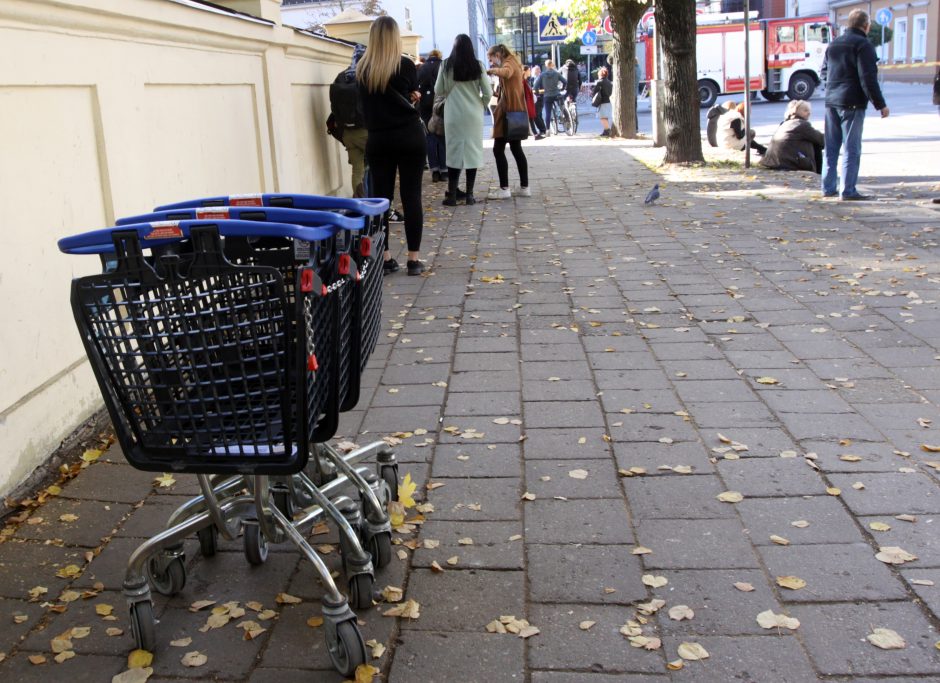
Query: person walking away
x,y
572,81
346,121
795,145
427,77
539,101
600,98
466,86
511,99
527,81
730,130
548,83
850,74
388,83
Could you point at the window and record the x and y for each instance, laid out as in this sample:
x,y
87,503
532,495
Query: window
x,y
818,33
900,39
919,38
785,34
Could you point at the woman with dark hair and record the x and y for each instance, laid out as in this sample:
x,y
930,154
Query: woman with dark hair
x,y
388,85
466,89
511,99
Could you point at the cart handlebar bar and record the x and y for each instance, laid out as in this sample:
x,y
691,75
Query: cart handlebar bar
x,y
366,207
252,213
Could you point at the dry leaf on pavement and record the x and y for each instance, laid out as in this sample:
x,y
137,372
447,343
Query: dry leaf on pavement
x,y
410,609
730,497
892,554
692,651
131,675
792,582
680,612
578,474
194,659
886,639
768,619
139,659
654,581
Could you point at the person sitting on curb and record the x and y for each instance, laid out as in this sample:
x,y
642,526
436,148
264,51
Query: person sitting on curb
x,y
796,145
731,129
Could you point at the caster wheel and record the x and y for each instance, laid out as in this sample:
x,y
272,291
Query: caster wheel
x,y
347,651
208,540
360,591
143,626
380,547
389,474
171,580
256,545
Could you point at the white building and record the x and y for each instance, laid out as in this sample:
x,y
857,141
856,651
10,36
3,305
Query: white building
x,y
807,8
437,21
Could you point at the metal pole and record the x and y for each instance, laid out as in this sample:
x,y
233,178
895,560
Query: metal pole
x,y
747,83
433,27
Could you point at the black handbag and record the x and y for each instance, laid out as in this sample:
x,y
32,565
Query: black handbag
x,y
517,125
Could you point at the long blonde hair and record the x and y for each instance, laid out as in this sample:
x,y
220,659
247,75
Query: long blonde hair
x,y
382,58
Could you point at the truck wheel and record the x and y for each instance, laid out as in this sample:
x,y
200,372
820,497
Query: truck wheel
x,y
772,96
707,93
801,87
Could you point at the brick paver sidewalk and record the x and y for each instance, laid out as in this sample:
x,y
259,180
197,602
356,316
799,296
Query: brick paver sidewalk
x,y
622,366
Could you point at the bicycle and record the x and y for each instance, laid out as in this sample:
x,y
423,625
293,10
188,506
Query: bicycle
x,y
561,121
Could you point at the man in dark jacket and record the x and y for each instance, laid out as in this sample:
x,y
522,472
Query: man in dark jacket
x,y
850,72
437,152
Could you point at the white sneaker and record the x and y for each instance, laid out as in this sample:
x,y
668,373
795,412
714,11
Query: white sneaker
x,y
522,192
499,193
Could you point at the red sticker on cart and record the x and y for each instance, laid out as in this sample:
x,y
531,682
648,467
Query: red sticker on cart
x,y
210,213
245,200
164,230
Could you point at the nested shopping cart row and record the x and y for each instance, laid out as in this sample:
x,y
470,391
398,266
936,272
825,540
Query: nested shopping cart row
x,y
227,334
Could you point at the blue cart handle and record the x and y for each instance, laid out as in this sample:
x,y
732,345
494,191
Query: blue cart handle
x,y
367,207
273,214
159,233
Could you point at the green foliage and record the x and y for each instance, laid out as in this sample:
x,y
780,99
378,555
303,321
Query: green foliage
x,y
579,13
879,35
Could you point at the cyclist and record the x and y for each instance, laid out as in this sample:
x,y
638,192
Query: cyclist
x,y
548,81
572,88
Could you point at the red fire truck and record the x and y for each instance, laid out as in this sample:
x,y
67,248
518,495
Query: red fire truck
x,y
785,55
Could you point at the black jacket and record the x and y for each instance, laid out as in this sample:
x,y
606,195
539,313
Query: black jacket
x,y
427,77
605,88
711,128
850,72
792,147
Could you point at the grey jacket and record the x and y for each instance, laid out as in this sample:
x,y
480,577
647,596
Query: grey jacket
x,y
548,81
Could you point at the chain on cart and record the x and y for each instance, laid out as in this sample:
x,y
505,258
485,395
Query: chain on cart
x,y
227,334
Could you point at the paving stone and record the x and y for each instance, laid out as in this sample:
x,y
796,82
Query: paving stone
x,y
725,415
604,522
420,374
479,460
12,610
407,395
24,565
889,494
697,370
718,390
491,548
483,381
79,669
920,538
835,634
565,444
95,483
930,595
828,520
461,404
477,656
563,645
544,414
505,344
652,456
875,457
389,420
695,544
499,499
677,497
95,519
639,401
652,427
450,601
571,390
745,658
564,370
832,572
571,677
584,574
82,613
829,427
770,477
601,480
279,675
633,379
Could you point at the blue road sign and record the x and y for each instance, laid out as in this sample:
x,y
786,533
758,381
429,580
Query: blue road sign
x,y
884,16
552,28
589,38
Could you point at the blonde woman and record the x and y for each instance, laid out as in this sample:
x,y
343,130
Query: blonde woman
x,y
388,85
796,145
511,98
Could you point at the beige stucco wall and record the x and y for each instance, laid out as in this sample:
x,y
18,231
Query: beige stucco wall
x,y
108,107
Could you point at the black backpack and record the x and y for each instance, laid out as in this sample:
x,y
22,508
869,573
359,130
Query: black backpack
x,y
345,103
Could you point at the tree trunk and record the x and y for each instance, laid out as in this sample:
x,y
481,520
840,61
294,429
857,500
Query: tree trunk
x,y
676,21
625,14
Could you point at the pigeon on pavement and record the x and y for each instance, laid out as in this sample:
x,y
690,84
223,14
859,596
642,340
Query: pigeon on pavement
x,y
653,195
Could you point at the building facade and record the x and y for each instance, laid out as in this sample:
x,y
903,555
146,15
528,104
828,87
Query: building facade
x,y
913,52
437,21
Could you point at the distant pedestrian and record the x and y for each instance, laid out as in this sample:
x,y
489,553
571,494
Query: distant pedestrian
x,y
572,80
796,145
731,133
530,103
427,77
600,98
850,72
511,99
936,90
464,84
539,101
388,83
548,83
346,121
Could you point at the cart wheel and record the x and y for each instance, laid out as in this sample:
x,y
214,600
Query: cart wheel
x,y
347,651
360,590
208,540
171,580
256,545
380,547
143,625
389,474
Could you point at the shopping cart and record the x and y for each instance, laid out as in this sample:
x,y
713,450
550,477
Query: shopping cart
x,y
211,367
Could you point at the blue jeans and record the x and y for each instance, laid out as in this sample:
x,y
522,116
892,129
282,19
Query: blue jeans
x,y
843,128
548,104
437,153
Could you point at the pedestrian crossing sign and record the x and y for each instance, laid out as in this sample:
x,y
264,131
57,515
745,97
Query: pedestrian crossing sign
x,y
553,28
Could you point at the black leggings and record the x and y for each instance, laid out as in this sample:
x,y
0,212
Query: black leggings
x,y
410,169
502,165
